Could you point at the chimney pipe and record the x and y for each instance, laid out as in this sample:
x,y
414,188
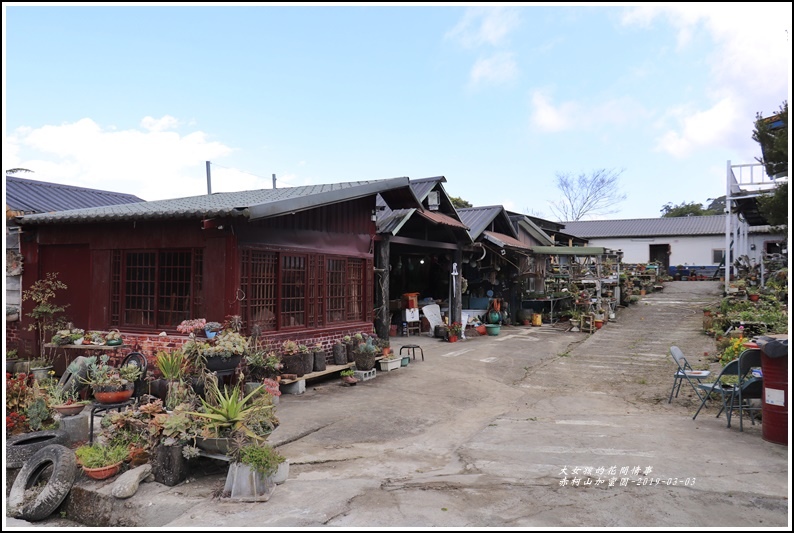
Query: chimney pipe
x,y
274,181
209,180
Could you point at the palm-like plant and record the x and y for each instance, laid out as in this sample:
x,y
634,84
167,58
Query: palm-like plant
x,y
228,411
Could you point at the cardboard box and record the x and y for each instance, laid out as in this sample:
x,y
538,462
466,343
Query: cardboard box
x,y
411,315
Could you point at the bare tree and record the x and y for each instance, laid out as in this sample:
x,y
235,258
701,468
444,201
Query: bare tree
x,y
592,194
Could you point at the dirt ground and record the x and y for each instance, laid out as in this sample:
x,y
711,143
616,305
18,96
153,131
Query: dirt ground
x,y
538,427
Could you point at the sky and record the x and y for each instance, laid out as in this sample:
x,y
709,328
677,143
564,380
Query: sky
x,y
500,99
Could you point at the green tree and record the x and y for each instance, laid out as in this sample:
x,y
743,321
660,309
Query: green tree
x,y
774,206
583,195
772,134
684,209
459,203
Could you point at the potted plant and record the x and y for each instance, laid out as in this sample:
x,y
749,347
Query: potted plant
x,y
114,338
228,412
453,331
340,353
192,326
45,315
211,329
389,362
64,400
293,363
109,384
262,364
364,356
318,356
101,461
348,377
252,470
224,352
306,358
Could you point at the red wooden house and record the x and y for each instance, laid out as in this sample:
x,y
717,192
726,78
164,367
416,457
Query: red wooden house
x,y
295,262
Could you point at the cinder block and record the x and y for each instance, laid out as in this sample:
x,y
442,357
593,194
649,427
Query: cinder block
x,y
364,375
299,387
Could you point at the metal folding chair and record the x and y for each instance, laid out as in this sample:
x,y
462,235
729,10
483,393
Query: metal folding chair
x,y
725,390
748,388
685,372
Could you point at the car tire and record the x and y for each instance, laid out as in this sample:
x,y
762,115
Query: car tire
x,y
63,465
20,448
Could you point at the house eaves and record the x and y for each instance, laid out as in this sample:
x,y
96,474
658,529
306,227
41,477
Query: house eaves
x,y
647,227
505,241
478,219
26,196
254,204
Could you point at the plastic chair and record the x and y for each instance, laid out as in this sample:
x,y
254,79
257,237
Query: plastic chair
x,y
432,313
685,372
748,388
725,390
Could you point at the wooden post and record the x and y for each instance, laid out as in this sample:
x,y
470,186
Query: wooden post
x,y
382,262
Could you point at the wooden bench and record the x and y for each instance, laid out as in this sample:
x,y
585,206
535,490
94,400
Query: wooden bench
x,y
289,384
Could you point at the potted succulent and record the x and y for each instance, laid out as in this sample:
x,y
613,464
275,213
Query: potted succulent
x,y
318,357
293,363
348,377
252,471
340,353
64,400
389,362
224,352
113,338
364,357
229,412
109,384
262,364
211,329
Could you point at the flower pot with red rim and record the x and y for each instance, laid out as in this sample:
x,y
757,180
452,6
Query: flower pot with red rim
x,y
114,394
69,409
103,472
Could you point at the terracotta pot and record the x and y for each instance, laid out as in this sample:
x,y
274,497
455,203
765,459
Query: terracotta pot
x,y
753,297
103,472
114,396
349,380
453,338
598,324
69,410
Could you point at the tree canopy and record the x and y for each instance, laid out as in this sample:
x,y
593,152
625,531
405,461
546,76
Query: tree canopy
x,y
689,209
593,194
458,202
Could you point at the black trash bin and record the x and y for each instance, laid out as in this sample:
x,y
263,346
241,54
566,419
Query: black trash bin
x,y
774,406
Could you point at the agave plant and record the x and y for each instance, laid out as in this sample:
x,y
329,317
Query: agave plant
x,y
228,411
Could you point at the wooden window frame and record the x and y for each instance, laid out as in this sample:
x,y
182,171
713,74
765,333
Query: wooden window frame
x,y
188,273
317,298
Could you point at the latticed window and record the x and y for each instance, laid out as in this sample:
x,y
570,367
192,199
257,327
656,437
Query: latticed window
x,y
156,289
284,290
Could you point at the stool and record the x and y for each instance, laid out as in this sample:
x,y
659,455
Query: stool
x,y
414,328
101,408
410,349
587,323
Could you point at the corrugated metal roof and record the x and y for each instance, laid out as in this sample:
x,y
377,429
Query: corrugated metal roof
x,y
647,227
505,241
252,204
33,196
479,218
569,250
441,218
